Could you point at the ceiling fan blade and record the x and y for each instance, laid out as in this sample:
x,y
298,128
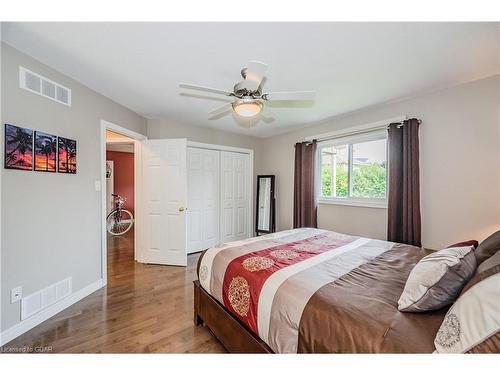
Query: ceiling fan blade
x,y
206,89
266,115
219,116
255,72
226,107
289,95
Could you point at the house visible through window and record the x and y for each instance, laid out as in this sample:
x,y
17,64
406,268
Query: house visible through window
x,y
354,169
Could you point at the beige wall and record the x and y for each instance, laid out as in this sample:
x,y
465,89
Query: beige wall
x,y
51,221
460,177
163,128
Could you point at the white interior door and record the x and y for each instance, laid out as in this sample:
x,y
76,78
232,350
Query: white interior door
x,y
203,198
163,198
235,196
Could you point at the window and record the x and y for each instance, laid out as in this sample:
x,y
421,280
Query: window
x,y
354,170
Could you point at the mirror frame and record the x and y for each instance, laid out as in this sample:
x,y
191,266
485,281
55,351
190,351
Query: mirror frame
x,y
272,216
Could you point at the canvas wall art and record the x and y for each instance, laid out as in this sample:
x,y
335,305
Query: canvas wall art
x,y
66,152
45,152
18,148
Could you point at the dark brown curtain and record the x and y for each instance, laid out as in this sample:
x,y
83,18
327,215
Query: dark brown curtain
x,y
304,197
404,183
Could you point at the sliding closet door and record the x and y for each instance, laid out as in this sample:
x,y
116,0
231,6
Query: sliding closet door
x,y
235,196
203,199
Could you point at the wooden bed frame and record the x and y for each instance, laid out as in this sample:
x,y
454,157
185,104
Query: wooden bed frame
x,y
233,335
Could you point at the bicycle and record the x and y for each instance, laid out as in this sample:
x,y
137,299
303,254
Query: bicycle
x,y
119,221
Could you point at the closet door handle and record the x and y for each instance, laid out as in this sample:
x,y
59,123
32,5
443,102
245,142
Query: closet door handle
x,y
182,209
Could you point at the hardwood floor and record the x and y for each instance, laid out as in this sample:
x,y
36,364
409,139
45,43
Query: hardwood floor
x,y
144,308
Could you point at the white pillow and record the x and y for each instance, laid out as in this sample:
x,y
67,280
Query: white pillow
x,y
437,279
472,319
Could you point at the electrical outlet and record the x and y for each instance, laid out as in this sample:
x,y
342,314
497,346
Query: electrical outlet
x,y
16,294
97,185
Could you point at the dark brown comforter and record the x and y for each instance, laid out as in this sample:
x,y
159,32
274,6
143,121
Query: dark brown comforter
x,y
358,312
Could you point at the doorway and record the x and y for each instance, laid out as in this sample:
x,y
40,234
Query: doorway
x,y
120,186
120,165
160,196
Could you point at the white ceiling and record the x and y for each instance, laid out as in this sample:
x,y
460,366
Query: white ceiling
x,y
349,65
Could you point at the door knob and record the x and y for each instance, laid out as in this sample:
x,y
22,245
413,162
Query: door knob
x,y
182,209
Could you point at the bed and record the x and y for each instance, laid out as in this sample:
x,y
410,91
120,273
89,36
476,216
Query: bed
x,y
311,291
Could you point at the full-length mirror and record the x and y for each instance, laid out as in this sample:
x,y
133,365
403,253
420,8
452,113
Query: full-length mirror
x,y
265,212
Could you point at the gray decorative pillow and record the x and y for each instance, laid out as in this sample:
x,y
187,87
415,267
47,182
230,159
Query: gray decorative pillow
x,y
437,279
491,262
488,247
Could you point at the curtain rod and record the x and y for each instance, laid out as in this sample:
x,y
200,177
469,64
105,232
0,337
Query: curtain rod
x,y
356,132
401,123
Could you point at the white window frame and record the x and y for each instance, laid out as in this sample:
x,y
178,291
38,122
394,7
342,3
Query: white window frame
x,y
350,140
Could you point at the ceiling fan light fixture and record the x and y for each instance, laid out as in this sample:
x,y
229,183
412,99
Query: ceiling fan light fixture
x,y
247,107
247,97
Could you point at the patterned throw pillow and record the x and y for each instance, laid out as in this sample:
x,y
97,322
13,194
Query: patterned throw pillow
x,y
437,279
473,322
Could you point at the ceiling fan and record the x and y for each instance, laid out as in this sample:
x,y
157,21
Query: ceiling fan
x,y
248,96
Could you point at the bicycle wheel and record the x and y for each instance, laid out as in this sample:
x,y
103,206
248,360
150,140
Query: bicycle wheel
x,y
118,224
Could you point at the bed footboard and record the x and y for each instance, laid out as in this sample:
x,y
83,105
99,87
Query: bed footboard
x,y
235,337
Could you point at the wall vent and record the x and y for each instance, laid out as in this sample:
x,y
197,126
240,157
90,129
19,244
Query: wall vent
x,y
42,299
43,86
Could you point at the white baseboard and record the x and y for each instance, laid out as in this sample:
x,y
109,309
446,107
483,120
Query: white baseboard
x,y
31,322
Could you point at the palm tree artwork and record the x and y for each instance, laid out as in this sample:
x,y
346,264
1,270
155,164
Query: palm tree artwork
x,y
18,148
45,152
66,149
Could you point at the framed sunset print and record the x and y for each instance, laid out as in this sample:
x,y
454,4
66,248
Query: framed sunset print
x,y
66,154
18,148
45,152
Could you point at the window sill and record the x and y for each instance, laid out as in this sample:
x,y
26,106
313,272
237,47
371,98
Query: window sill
x,y
354,203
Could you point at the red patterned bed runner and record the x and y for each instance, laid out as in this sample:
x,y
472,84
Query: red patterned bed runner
x,y
246,275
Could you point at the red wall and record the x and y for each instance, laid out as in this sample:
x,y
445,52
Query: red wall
x,y
123,176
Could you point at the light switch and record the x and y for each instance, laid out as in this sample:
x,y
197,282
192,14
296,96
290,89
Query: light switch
x,y
16,294
97,185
